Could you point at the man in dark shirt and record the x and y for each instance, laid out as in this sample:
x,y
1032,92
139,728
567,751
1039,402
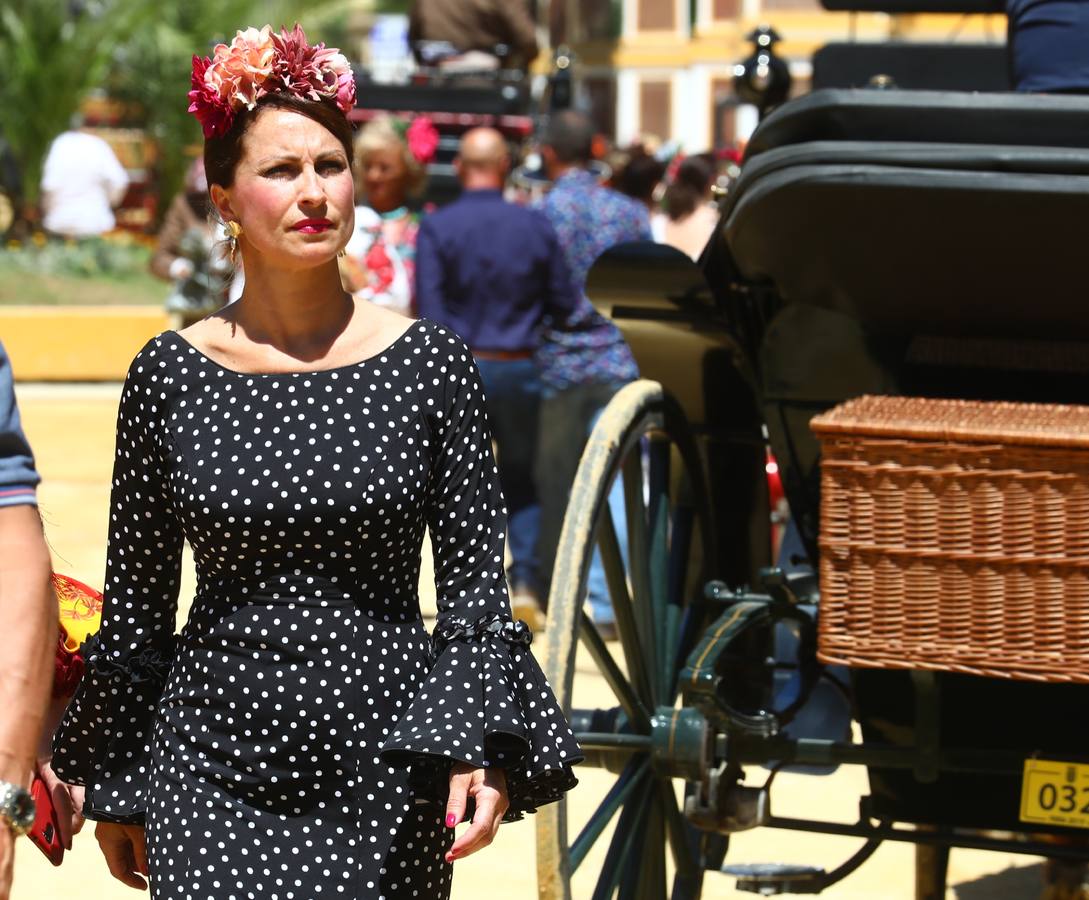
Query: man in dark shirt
x,y
1049,45
494,272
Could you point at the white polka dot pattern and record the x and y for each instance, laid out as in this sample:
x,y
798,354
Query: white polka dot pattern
x,y
267,746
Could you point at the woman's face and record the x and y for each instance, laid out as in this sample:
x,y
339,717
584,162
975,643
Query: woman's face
x,y
292,192
385,177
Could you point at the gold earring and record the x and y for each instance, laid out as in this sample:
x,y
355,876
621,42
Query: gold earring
x,y
342,253
234,229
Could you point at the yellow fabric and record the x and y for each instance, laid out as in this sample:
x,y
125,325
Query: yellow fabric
x,y
80,610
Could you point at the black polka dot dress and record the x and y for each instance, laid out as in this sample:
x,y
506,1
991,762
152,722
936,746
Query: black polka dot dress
x,y
294,741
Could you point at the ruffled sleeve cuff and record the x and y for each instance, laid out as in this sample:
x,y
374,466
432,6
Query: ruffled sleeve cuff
x,y
103,741
486,703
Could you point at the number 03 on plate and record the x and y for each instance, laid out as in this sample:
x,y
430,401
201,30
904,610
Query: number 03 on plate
x,y
1055,793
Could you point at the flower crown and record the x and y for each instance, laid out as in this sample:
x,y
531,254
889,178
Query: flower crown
x,y
257,63
420,135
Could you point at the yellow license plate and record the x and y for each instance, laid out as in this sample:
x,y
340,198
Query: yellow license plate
x,y
1055,793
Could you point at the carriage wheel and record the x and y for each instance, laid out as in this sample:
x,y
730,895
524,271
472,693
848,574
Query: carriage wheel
x,y
636,844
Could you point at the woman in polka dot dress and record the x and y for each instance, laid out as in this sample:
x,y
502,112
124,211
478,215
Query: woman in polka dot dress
x,y
303,737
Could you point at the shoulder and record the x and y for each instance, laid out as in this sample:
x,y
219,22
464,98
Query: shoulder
x,y
442,346
438,219
365,217
155,358
152,374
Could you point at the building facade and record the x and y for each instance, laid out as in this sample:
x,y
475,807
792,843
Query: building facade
x,y
665,67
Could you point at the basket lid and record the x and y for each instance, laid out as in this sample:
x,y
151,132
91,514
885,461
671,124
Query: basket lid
x,y
1036,424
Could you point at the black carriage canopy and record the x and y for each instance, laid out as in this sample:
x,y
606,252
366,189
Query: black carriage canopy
x,y
945,213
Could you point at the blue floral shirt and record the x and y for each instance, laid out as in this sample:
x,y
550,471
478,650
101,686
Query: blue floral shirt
x,y
589,219
18,477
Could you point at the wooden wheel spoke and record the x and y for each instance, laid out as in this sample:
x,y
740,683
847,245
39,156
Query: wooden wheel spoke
x,y
678,830
680,552
637,713
631,640
618,794
625,840
645,877
639,562
659,556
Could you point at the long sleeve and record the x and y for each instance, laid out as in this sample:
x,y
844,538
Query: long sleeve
x,y
103,739
486,701
429,275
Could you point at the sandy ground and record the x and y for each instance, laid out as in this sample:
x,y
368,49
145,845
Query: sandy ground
x,y
72,431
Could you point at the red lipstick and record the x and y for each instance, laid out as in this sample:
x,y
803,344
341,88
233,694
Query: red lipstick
x,y
312,226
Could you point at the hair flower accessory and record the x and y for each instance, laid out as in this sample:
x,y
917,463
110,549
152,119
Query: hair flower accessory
x,y
259,62
422,138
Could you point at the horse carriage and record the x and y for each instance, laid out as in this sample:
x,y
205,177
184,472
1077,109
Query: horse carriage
x,y
894,304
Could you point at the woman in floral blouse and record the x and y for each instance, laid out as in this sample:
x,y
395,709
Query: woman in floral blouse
x,y
390,162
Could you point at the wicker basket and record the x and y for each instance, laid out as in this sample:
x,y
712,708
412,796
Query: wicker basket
x,y
955,537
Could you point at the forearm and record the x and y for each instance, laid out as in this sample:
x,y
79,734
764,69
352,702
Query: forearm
x,y
28,626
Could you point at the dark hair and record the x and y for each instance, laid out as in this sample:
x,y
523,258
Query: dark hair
x,y
570,134
221,154
640,176
690,186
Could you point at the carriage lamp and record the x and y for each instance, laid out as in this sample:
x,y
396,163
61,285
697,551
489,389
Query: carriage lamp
x,y
763,78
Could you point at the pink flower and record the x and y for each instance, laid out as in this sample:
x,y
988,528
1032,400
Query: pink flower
x,y
214,114
240,70
313,72
346,91
423,139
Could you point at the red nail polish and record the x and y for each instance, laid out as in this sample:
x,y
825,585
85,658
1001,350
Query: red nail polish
x,y
451,820
449,857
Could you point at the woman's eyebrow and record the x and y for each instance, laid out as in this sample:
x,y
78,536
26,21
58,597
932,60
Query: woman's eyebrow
x,y
294,158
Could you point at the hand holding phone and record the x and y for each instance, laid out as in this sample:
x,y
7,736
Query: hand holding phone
x,y
46,831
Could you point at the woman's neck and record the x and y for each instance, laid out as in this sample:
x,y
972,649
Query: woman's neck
x,y
300,313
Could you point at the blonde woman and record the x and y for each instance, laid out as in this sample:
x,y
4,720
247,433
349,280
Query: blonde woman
x,y
391,159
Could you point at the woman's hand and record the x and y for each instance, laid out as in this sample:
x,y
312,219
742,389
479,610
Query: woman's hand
x,y
488,787
67,801
125,852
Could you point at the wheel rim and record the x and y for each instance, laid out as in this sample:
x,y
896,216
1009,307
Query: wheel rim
x,y
643,440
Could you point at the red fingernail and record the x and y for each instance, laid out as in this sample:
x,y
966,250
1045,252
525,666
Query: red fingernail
x,y
449,857
451,820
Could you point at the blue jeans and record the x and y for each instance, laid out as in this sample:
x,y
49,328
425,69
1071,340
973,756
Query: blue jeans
x,y
512,390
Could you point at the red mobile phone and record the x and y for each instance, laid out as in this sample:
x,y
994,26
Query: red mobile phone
x,y
45,833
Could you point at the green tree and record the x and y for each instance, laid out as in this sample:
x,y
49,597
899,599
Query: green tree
x,y
52,52
153,68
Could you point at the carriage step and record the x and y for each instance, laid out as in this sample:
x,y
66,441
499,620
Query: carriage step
x,y
768,879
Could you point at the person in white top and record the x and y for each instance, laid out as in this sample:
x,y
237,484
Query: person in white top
x,y
82,182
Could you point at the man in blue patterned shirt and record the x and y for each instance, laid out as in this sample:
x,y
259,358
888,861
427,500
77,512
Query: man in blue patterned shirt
x,y
585,360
